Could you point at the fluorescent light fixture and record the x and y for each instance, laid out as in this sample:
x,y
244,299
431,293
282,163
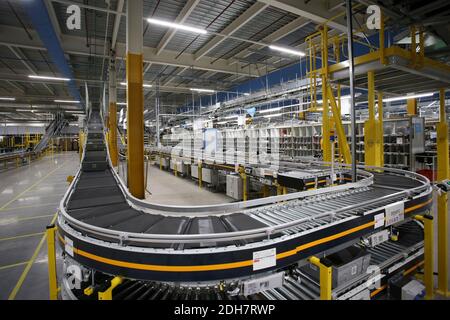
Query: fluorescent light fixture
x,y
176,26
286,50
411,96
231,117
32,76
67,101
246,94
273,115
422,95
25,110
270,110
74,111
121,103
202,90
7,98
144,85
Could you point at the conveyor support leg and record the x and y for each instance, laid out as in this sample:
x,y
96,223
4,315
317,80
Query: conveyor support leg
x,y
325,278
429,269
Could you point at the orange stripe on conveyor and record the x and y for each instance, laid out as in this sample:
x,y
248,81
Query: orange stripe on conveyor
x,y
417,206
211,267
230,265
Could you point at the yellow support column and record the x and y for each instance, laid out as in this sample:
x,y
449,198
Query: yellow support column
x,y
175,169
325,278
380,132
51,254
326,144
428,248
112,114
342,138
442,174
370,125
135,99
411,107
244,186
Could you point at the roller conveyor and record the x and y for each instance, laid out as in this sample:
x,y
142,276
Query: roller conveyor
x,y
102,227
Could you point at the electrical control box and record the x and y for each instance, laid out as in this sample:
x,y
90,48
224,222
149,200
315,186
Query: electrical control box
x,y
194,171
209,176
413,290
234,186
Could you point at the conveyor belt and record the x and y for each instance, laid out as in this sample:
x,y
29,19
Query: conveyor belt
x,y
107,230
300,287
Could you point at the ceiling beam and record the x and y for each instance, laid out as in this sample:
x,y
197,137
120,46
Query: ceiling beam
x,y
16,86
17,52
116,24
277,35
181,18
75,45
234,26
317,11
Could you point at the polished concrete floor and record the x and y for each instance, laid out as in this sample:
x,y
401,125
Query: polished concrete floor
x,y
29,198
166,188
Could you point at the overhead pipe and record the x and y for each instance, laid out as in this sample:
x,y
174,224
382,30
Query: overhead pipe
x,y
38,14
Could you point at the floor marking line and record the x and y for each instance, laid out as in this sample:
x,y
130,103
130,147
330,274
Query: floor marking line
x,y
22,219
30,206
13,265
22,236
31,187
25,272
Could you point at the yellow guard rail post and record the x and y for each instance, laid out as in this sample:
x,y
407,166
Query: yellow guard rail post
x,y
442,174
52,278
325,278
244,183
428,268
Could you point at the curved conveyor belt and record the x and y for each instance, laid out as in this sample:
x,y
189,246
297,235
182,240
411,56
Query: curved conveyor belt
x,y
103,227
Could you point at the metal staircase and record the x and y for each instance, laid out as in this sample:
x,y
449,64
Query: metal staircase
x,y
53,129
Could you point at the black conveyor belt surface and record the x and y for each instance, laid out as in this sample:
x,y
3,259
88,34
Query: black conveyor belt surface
x,y
98,201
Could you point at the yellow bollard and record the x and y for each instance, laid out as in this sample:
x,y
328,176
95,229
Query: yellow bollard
x,y
428,254
325,278
200,174
244,184
265,190
52,282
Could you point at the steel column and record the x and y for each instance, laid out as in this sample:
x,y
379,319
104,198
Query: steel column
x,y
352,85
326,144
112,117
135,99
443,173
